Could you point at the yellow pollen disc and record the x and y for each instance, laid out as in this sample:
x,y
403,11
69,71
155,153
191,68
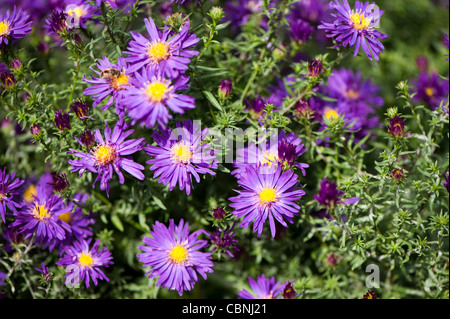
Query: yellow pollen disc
x,y
4,28
77,12
158,51
117,83
181,153
66,217
351,94
85,260
104,154
331,113
178,254
40,212
429,91
267,195
360,22
156,91
29,193
269,158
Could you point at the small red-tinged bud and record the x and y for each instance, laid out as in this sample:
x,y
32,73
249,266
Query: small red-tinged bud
x,y
16,64
370,295
35,130
315,68
59,182
8,79
303,110
225,89
219,213
289,292
397,127
87,138
398,174
62,120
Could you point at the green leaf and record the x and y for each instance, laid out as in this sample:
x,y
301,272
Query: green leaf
x,y
117,222
213,100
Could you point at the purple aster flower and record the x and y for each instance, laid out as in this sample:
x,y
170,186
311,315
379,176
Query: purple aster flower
x,y
272,195
173,255
180,156
84,263
223,240
78,13
330,196
79,223
263,288
431,89
110,155
111,83
41,218
281,148
356,27
13,25
312,11
151,96
239,12
356,100
9,188
161,52
56,23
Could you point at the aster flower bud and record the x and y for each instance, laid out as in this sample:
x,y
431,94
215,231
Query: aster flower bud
x,y
57,22
8,79
370,295
397,127
219,213
398,174
59,182
87,138
392,112
36,131
225,88
289,292
446,183
46,276
303,110
223,240
315,68
16,64
62,120
176,21
216,13
80,108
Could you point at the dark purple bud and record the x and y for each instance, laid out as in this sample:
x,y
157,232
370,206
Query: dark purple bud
x,y
62,120
223,240
87,138
398,174
42,47
329,195
219,213
315,68
8,79
81,108
289,292
332,259
287,152
59,182
397,127
370,295
446,184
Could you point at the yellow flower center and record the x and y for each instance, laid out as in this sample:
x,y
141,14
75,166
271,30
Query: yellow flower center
x,y
117,83
267,195
269,158
331,113
104,154
156,91
352,94
77,12
29,193
85,260
158,51
178,254
4,28
429,91
66,217
181,153
360,22
40,212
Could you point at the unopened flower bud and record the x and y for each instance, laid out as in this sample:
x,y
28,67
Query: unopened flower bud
x,y
8,79
216,13
219,213
62,120
16,64
225,88
303,110
315,68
